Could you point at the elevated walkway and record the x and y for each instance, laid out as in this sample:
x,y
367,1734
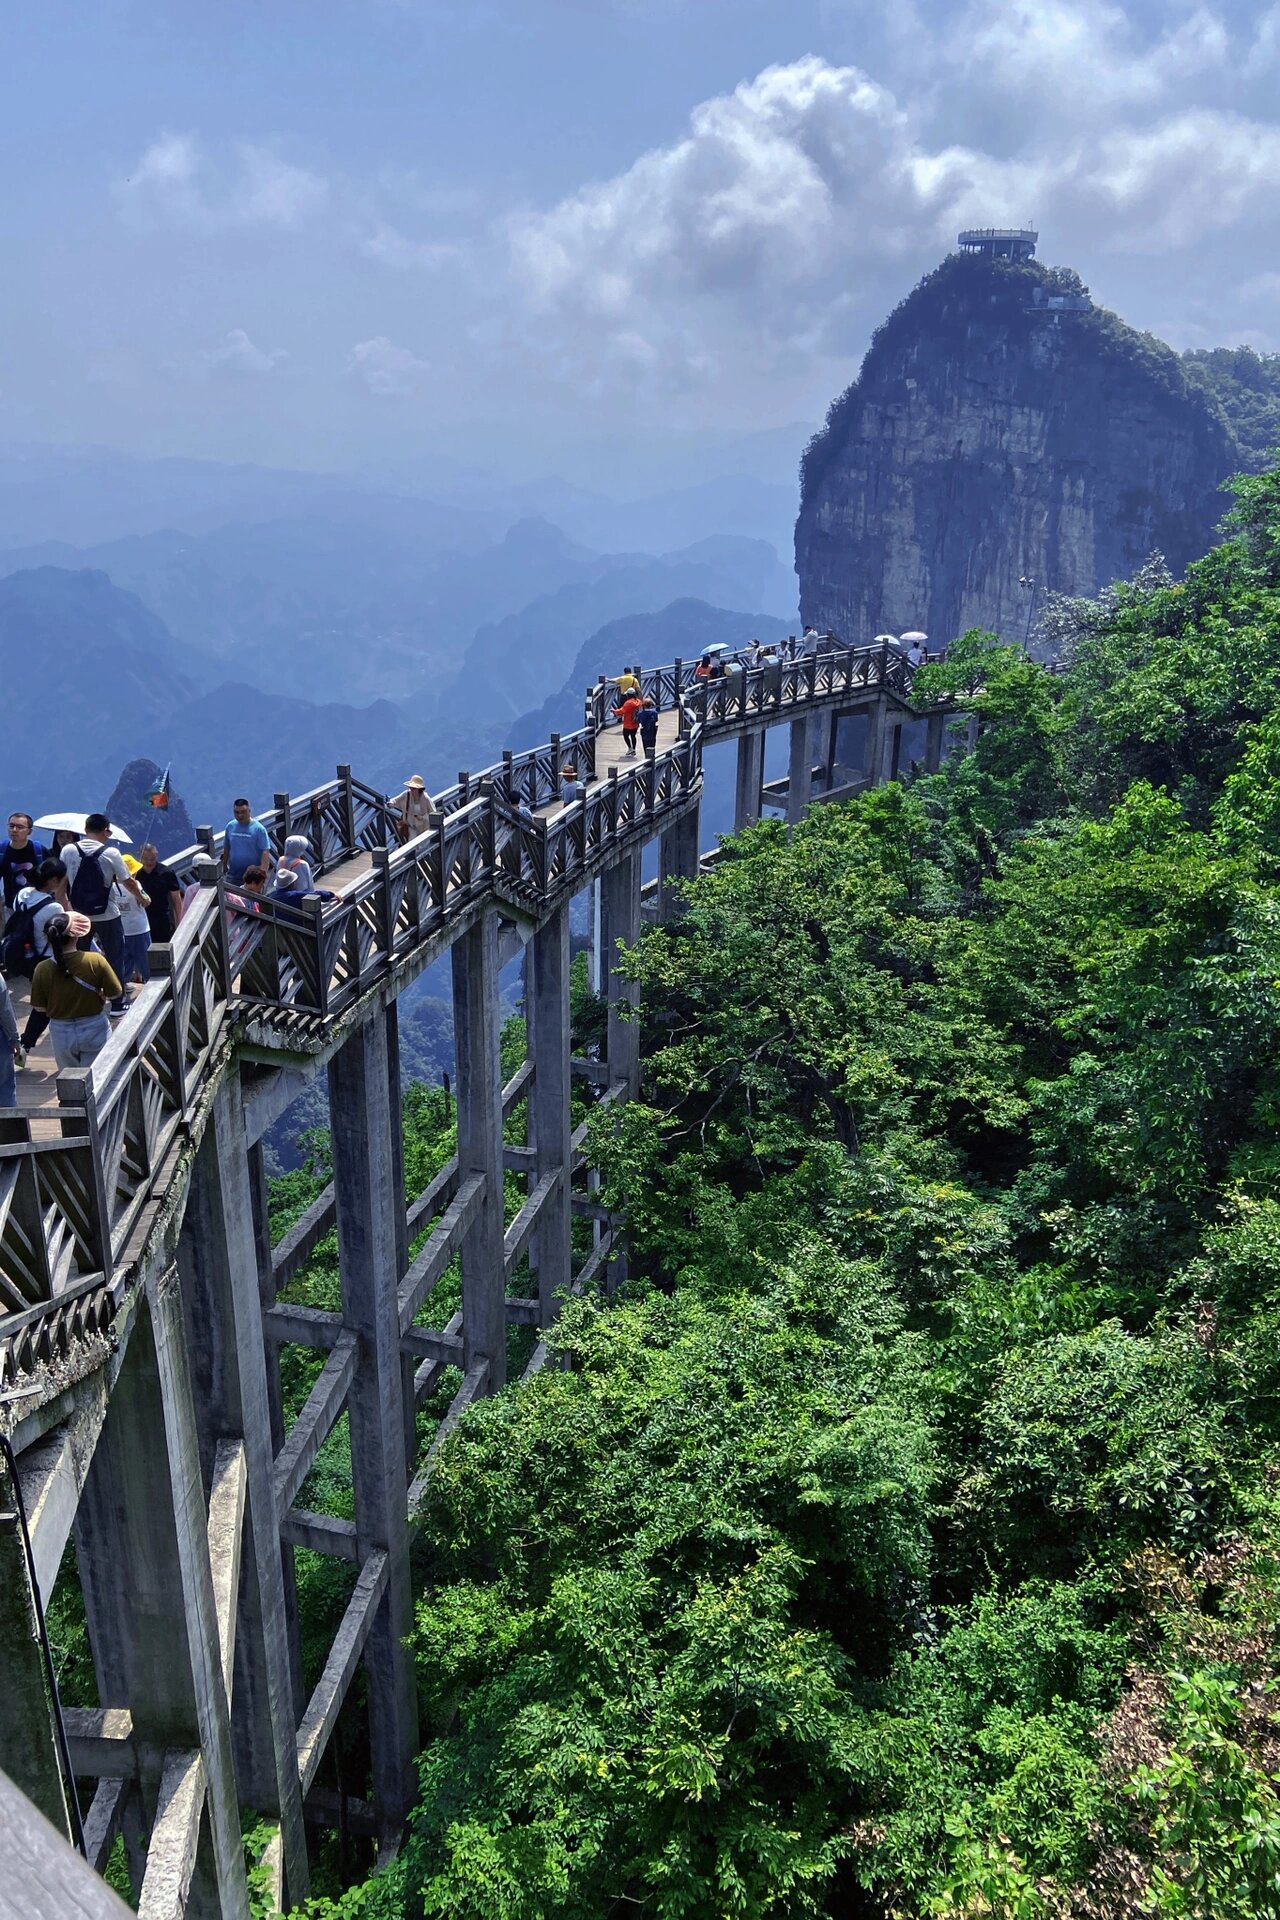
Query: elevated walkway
x,y
141,1323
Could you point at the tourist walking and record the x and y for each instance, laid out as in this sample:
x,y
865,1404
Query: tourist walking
x,y
629,714
38,904
97,877
244,843
20,856
627,683
648,721
164,895
571,787
416,809
136,928
74,988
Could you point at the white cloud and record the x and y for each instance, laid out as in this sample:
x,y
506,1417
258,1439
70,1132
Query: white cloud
x,y
391,248
781,220
175,184
385,367
238,354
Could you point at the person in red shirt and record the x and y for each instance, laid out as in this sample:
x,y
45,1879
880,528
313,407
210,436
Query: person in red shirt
x,y
629,714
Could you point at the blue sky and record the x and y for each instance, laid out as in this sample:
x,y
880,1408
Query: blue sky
x,y
574,235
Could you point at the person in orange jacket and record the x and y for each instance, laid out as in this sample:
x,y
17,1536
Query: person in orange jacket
x,y
629,714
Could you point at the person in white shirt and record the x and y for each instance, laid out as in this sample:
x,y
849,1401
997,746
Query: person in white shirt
x,y
96,876
136,928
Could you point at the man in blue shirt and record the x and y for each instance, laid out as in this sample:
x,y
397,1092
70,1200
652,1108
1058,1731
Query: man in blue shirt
x,y
19,857
244,844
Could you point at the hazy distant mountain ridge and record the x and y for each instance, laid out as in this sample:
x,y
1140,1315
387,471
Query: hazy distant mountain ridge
x,y
108,685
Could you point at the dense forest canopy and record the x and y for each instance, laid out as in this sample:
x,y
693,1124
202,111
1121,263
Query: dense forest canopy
x,y
902,1539
1245,386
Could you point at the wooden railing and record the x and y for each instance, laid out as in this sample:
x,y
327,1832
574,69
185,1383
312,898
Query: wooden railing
x,y
77,1183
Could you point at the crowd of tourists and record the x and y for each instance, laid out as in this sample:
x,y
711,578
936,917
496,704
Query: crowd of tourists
x,y
78,915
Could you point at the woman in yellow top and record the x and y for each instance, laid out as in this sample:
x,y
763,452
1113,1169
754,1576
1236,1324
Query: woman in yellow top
x,y
74,989
627,684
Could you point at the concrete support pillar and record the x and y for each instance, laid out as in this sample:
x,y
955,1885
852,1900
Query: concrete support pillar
x,y
275,1404
477,1035
822,727
799,771
677,861
547,959
365,1192
620,923
222,1290
892,747
594,979
395,1114
750,779
143,1553
28,1736
934,733
873,750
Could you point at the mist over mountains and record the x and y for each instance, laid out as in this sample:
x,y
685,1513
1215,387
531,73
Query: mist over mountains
x,y
316,623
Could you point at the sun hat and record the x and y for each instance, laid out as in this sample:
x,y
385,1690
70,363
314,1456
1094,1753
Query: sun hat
x,y
416,780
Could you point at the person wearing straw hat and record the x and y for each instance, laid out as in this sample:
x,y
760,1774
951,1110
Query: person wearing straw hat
x,y
415,809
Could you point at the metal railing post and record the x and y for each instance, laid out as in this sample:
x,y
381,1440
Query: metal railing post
x,y
348,805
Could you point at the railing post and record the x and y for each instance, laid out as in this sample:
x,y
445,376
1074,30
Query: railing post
x,y
75,1089
204,838
348,805
282,831
556,765
209,874
386,917
315,906
160,967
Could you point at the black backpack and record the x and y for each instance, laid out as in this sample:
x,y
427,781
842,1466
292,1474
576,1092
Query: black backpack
x,y
18,947
90,890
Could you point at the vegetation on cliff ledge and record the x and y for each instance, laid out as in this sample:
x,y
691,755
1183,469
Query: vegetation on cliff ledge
x,y
903,1539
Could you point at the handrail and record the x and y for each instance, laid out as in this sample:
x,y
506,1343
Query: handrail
x,y
76,1201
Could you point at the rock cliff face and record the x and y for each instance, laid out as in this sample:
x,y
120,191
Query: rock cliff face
x,y
991,440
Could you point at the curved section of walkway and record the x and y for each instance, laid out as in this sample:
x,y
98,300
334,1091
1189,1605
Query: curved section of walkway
x,y
84,1178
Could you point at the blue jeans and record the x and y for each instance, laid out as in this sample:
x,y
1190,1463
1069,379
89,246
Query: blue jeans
x,y
136,948
8,1076
77,1042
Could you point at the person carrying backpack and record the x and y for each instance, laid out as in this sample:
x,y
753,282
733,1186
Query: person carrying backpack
x,y
649,727
74,988
95,870
26,940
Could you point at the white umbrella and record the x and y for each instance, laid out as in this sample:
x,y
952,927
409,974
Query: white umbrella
x,y
73,823
717,646
921,637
